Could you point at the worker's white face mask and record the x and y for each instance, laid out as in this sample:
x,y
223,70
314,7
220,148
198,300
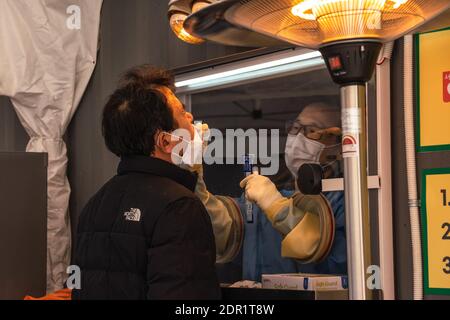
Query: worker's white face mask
x,y
301,150
192,150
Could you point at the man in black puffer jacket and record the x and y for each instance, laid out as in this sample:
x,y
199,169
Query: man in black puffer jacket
x,y
145,235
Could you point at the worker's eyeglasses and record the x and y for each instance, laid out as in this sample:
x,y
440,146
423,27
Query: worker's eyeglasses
x,y
311,132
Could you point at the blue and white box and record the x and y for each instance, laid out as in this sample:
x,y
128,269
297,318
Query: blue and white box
x,y
304,282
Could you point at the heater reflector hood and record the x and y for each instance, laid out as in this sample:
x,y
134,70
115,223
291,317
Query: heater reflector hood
x,y
210,23
313,23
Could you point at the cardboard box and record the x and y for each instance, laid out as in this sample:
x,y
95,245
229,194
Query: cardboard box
x,y
304,282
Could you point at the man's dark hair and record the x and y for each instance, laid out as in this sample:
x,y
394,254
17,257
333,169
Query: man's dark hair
x,y
136,111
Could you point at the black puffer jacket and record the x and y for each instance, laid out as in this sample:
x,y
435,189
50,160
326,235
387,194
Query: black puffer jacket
x,y
145,235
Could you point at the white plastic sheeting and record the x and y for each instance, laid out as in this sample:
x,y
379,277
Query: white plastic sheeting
x,y
47,55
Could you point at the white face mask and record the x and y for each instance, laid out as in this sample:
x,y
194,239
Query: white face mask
x,y
301,150
192,150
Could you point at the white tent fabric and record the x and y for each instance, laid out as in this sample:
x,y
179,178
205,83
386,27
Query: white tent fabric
x,y
48,52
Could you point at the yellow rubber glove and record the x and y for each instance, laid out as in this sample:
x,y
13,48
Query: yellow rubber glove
x,y
203,130
310,222
304,221
260,190
302,242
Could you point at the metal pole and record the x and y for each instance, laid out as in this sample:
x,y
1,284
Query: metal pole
x,y
385,221
353,103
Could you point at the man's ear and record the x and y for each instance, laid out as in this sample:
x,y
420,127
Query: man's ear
x,y
164,142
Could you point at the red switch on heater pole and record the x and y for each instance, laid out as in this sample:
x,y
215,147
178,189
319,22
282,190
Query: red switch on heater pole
x,y
447,86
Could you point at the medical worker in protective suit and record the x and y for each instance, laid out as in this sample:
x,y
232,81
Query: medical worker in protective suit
x,y
293,232
290,232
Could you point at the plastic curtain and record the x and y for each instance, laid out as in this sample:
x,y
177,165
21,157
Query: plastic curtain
x,y
47,55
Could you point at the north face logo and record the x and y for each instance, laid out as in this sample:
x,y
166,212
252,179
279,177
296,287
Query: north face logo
x,y
133,215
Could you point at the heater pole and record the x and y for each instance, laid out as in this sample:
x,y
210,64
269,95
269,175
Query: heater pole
x,y
351,65
354,127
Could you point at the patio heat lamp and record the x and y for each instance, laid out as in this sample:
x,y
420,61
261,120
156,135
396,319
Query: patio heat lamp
x,y
350,35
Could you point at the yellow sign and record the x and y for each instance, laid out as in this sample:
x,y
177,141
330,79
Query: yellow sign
x,y
436,230
433,90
